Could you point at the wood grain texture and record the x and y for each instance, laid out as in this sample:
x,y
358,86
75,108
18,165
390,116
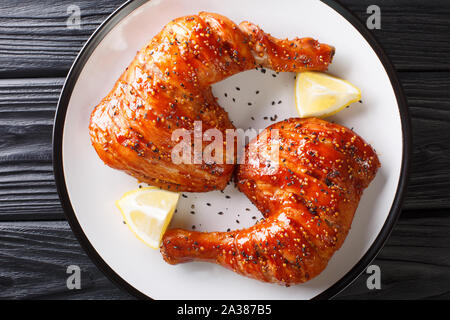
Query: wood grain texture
x,y
34,257
414,33
35,40
428,97
415,262
27,187
27,106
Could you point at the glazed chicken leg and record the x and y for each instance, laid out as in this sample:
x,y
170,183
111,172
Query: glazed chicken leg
x,y
308,201
168,87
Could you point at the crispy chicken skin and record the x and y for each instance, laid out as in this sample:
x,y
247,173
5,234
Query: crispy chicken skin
x,y
308,202
168,87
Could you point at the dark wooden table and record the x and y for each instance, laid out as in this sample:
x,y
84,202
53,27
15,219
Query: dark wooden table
x,y
37,245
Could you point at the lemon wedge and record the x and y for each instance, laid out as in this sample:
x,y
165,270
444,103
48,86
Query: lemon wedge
x,y
148,212
321,95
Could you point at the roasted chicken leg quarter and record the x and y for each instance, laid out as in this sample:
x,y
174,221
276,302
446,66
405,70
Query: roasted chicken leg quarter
x,y
168,87
308,202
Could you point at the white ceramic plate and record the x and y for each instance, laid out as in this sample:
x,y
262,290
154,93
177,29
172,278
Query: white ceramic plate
x,y
88,188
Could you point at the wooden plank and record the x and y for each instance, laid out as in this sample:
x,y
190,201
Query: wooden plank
x,y
35,40
27,189
429,104
34,257
414,33
415,262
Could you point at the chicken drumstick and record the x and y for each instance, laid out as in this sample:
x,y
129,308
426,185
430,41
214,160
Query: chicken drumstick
x,y
168,87
308,202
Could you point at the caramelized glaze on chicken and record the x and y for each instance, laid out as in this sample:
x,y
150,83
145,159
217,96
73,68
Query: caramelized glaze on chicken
x,y
168,87
308,202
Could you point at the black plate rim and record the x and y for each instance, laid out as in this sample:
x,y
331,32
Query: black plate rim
x,y
58,130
